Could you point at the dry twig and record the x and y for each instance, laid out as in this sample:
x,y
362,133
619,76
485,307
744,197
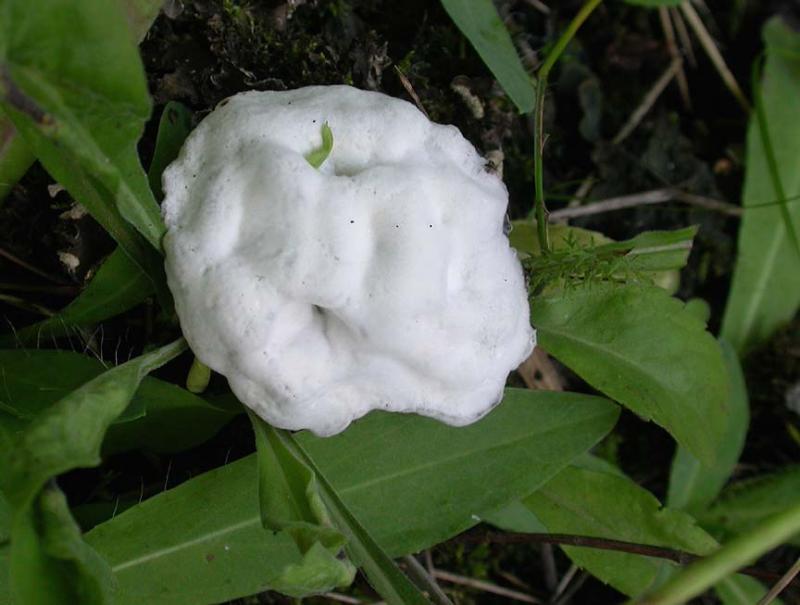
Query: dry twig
x,y
485,586
781,584
648,101
672,47
707,42
645,198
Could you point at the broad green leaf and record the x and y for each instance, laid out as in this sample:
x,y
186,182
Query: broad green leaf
x,y
765,292
639,346
654,250
74,86
69,433
161,416
481,25
289,501
524,237
411,481
742,550
5,521
5,576
15,157
118,286
49,562
173,128
318,156
693,486
700,309
604,505
140,15
382,573
747,503
33,380
610,505
174,420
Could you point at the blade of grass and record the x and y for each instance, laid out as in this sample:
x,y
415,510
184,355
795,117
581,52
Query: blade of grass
x,y
538,122
769,153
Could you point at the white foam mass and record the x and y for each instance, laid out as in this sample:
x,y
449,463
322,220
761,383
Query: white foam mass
x,y
381,280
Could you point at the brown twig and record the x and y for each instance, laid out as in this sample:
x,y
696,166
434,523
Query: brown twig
x,y
26,265
446,576
655,196
410,90
672,47
781,584
648,101
659,552
707,42
683,35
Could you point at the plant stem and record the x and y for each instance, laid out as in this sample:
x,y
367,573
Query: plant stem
x,y
740,551
538,125
646,550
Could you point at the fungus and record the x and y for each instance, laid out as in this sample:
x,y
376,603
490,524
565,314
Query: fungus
x,y
380,280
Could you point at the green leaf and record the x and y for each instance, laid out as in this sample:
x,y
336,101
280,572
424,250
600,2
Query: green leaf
x,y
382,573
69,433
582,256
742,550
411,481
318,156
693,486
49,562
72,83
174,420
5,579
524,237
161,416
654,250
140,15
15,157
741,590
173,128
34,380
748,503
5,521
765,292
604,505
481,25
640,347
290,501
118,286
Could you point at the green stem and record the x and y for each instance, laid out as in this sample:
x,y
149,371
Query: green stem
x,y
740,551
538,125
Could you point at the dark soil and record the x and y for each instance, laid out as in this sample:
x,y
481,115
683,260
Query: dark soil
x,y
203,51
